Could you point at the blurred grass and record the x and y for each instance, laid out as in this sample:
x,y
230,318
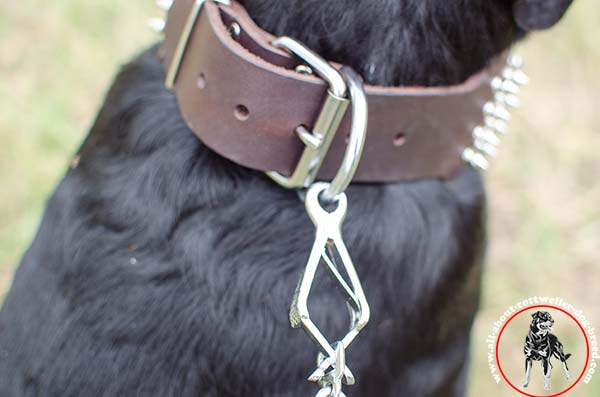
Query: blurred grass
x,y
57,59
544,195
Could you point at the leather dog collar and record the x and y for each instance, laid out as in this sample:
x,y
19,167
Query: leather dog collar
x,y
244,98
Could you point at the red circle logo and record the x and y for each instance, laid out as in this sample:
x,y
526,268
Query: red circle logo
x,y
569,316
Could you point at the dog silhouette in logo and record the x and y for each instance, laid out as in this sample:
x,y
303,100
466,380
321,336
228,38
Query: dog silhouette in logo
x,y
541,345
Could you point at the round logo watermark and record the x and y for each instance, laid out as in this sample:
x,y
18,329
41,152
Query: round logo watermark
x,y
542,347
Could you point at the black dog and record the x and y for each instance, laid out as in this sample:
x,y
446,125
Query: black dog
x,y
541,345
161,269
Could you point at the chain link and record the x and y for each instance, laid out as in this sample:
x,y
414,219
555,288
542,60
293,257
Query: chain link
x,y
331,382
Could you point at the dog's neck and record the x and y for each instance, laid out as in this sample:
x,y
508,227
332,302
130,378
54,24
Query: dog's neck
x,y
396,42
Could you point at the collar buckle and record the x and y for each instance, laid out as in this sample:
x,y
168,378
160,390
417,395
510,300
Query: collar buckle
x,y
345,88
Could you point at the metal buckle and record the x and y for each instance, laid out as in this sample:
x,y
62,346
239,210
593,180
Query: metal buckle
x,y
184,40
318,140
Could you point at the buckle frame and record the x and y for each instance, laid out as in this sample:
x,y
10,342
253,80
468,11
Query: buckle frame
x,y
184,39
317,141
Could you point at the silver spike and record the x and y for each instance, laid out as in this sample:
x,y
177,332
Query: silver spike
x,y
496,84
496,125
500,85
486,148
516,61
510,87
501,112
486,135
164,5
509,100
157,24
520,77
517,76
496,110
475,158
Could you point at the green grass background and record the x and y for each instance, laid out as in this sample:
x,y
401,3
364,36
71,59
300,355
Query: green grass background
x,y
58,57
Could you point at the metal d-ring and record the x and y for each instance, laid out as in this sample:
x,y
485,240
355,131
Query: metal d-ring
x,y
356,139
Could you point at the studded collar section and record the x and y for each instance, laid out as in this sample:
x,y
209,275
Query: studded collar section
x,y
251,102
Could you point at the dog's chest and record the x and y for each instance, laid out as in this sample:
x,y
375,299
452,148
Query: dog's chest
x,y
541,346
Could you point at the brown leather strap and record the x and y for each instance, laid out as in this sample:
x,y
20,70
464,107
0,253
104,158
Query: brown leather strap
x,y
414,132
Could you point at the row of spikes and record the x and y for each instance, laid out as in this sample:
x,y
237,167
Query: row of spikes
x,y
496,114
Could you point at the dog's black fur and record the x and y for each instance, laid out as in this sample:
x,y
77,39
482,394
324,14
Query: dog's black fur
x,y
541,345
162,269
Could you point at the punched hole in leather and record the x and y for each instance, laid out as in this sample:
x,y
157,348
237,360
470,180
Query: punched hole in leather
x,y
247,70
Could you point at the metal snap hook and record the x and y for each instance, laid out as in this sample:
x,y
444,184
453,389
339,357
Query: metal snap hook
x,y
329,250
